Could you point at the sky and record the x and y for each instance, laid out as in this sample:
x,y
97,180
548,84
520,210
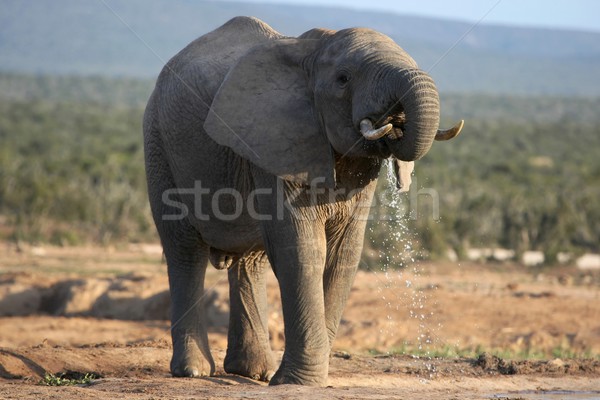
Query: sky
x,y
564,14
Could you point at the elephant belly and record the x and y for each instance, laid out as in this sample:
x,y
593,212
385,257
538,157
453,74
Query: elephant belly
x,y
232,239
220,212
212,188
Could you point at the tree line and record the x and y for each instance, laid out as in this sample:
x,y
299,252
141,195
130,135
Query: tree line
x,y
524,174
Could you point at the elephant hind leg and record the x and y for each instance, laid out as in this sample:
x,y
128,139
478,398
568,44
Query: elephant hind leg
x,y
248,349
187,260
191,352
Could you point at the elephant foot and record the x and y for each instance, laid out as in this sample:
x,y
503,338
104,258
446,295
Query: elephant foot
x,y
189,362
289,376
248,363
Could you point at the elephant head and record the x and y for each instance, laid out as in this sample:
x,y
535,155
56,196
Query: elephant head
x,y
291,105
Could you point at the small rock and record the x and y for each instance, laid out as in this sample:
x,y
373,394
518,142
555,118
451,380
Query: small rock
x,y
565,280
342,354
75,296
19,299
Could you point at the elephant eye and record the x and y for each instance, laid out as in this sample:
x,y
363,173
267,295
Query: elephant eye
x,y
343,78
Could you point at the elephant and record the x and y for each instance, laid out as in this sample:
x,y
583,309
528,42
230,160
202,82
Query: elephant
x,y
262,152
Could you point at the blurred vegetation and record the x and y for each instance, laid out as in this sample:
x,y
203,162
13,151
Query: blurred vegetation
x,y
71,160
95,90
524,174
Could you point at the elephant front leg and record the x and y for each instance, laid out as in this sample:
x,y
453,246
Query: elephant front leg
x,y
191,353
294,239
343,257
299,269
248,349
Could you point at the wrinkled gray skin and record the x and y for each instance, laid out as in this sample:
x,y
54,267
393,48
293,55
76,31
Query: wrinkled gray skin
x,y
244,107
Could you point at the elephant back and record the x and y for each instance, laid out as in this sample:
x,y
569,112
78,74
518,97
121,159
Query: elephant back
x,y
203,64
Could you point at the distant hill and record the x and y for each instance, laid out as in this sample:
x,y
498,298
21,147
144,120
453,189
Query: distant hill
x,y
136,37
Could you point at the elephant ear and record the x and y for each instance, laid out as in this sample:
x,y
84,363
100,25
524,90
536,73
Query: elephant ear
x,y
264,112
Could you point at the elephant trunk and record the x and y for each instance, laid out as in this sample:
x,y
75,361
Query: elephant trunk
x,y
418,97
403,113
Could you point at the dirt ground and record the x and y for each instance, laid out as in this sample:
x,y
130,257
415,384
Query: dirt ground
x,y
432,331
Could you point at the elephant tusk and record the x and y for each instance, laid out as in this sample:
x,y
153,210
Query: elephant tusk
x,y
447,134
367,130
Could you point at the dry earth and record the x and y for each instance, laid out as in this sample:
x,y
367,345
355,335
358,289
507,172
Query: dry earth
x,y
418,334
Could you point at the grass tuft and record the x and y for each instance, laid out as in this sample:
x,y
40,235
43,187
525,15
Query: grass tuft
x,y
448,351
67,379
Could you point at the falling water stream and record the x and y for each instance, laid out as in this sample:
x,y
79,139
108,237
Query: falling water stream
x,y
400,275
407,299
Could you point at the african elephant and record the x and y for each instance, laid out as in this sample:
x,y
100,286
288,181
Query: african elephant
x,y
261,150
